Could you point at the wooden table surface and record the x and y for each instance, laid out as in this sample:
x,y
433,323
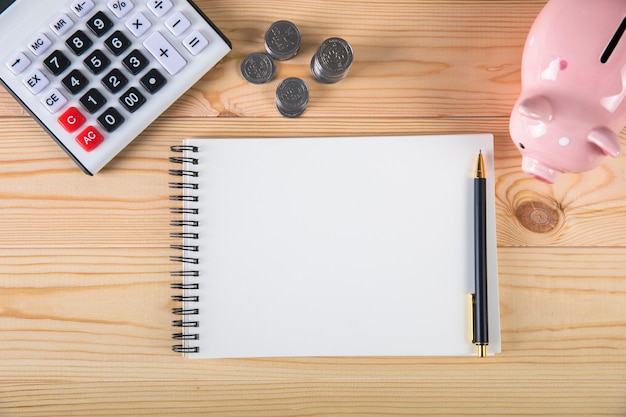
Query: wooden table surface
x,y
84,261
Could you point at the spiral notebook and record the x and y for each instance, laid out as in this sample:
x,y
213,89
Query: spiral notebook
x,y
359,246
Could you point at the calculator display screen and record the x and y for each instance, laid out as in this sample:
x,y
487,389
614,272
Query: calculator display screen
x,y
4,4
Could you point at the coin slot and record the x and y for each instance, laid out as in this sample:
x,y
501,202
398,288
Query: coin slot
x,y
613,43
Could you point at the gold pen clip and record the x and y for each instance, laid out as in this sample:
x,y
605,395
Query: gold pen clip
x,y
470,308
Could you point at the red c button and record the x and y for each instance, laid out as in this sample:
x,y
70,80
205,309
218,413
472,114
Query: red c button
x,y
71,119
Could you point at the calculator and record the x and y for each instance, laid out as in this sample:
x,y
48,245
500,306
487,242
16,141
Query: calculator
x,y
96,73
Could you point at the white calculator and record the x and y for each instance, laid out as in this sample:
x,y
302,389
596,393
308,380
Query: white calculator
x,y
96,73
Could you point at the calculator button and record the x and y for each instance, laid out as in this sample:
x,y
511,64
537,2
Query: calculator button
x,y
82,7
71,119
114,81
36,81
195,42
90,138
62,24
120,7
159,7
99,24
40,44
135,62
97,61
75,81
110,120
117,43
79,42
138,24
57,62
54,100
153,81
177,24
165,53
92,101
132,99
18,63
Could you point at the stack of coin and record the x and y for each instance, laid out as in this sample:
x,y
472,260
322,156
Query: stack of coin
x,y
292,97
282,40
332,61
330,64
258,68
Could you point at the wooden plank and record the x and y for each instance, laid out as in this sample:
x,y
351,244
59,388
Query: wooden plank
x,y
316,398
412,58
45,200
81,314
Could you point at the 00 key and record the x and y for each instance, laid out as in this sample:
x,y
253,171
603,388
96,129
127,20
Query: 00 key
x,y
132,99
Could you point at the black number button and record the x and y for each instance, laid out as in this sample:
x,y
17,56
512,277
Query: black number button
x,y
57,62
97,61
79,42
110,120
93,100
135,62
99,24
117,43
75,81
132,99
153,81
114,81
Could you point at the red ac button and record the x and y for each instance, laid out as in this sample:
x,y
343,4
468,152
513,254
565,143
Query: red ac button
x,y
71,119
90,138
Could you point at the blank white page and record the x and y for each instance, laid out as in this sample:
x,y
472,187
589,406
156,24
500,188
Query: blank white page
x,y
339,246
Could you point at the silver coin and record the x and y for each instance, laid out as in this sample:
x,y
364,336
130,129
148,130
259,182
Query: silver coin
x,y
258,68
332,61
282,40
292,97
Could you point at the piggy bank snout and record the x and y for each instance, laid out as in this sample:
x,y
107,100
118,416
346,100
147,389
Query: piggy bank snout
x,y
552,143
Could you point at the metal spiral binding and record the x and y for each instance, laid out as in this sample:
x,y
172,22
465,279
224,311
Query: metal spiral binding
x,y
185,227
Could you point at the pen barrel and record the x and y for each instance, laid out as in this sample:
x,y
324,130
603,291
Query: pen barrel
x,y
480,319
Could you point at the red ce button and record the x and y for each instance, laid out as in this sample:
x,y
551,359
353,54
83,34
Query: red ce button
x,y
71,119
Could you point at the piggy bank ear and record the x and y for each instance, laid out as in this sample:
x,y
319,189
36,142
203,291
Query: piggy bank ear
x,y
605,139
536,107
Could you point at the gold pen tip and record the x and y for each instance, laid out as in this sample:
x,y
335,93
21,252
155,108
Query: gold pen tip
x,y
480,166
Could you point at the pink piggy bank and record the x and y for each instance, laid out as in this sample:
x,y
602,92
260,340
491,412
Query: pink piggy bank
x,y
572,105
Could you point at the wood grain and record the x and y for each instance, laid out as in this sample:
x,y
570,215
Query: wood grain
x,y
412,58
316,398
84,261
40,185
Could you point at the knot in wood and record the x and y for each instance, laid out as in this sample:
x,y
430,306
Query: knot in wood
x,y
537,216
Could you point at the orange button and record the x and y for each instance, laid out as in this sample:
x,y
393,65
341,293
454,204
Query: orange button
x,y
71,119
90,138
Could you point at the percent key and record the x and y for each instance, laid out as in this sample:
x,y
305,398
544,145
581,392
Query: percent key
x,y
120,7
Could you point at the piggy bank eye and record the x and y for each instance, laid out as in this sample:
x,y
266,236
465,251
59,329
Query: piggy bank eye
x,y
521,145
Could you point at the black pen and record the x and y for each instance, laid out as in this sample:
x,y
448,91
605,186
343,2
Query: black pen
x,y
480,310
